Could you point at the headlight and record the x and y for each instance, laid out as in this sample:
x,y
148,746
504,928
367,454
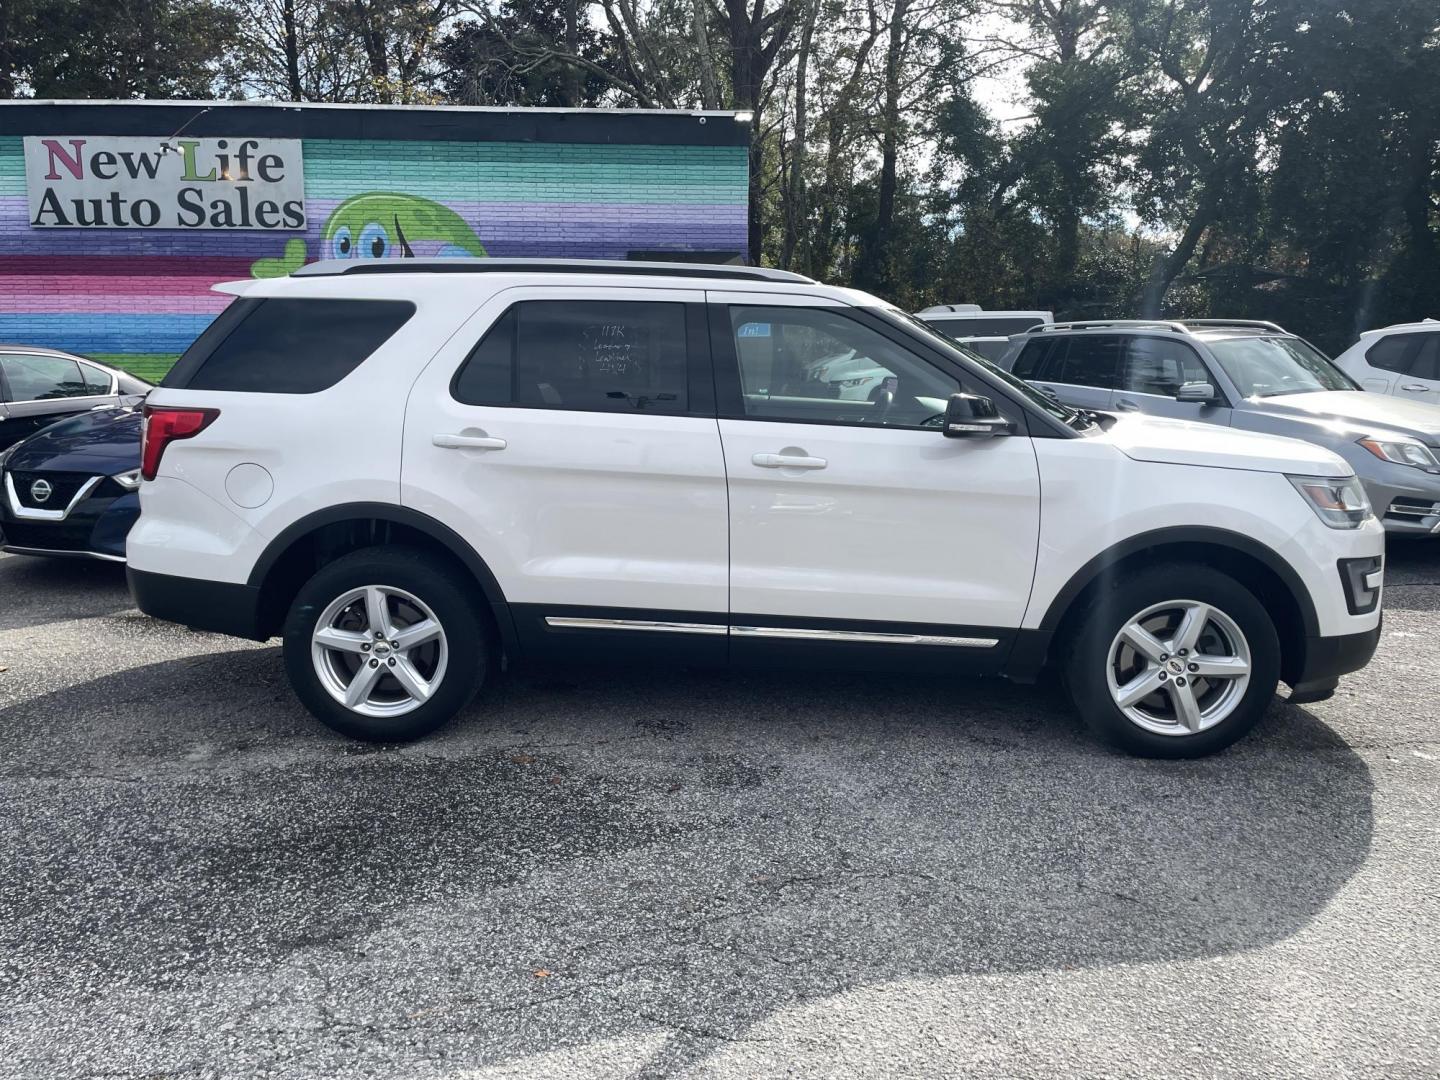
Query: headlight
x,y
850,384
128,480
1403,452
1338,502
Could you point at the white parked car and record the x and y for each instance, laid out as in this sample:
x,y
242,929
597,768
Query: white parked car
x,y
851,376
1403,360
410,469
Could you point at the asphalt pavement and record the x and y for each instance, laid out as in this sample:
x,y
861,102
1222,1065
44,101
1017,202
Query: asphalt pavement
x,y
648,873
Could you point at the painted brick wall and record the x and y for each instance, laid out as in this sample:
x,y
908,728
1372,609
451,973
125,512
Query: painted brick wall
x,y
138,297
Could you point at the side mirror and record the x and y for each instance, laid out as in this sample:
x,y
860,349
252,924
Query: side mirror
x,y
1197,393
970,415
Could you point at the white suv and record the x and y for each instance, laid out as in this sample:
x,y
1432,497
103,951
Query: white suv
x,y
1403,360
412,469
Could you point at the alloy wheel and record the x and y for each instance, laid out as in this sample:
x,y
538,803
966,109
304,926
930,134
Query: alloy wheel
x,y
379,651
1178,667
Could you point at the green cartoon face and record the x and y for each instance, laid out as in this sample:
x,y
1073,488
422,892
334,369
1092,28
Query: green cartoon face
x,y
383,225
380,225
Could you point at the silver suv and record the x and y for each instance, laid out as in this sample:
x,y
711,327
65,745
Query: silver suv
x,y
1252,376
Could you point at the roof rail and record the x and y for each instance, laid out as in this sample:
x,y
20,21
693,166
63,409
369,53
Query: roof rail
x,y
1095,324
470,265
1253,324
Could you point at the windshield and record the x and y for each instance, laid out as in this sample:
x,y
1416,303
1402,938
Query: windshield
x,y
1271,366
1063,413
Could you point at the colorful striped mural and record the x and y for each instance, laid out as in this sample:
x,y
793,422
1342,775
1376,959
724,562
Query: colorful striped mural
x,y
138,297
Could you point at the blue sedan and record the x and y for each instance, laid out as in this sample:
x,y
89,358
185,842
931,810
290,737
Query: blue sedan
x,y
70,489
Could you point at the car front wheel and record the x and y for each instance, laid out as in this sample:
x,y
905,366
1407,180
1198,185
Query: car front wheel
x,y
1175,660
385,644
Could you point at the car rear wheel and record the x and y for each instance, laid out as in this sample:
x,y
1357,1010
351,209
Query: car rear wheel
x,y
385,644
1173,661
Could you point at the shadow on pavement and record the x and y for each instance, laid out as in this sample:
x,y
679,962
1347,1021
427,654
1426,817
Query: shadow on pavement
x,y
35,591
686,851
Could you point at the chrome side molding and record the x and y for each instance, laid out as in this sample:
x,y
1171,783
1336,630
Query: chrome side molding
x,y
788,633
566,623
863,637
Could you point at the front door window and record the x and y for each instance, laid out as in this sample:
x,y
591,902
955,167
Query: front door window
x,y
820,365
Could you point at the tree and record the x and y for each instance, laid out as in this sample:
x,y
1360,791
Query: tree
x,y
1071,159
123,49
397,39
291,50
509,58
1221,84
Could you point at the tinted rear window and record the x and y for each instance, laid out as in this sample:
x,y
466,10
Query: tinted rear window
x,y
1088,361
287,346
584,355
1030,364
1083,360
1399,352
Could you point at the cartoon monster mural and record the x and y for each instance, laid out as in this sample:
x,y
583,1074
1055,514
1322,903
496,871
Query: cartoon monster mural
x,y
381,225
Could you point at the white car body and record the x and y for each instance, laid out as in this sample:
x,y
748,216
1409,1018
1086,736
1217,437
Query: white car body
x,y
1401,360
635,519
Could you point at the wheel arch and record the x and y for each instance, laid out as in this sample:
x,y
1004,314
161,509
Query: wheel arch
x,y
1255,565
305,545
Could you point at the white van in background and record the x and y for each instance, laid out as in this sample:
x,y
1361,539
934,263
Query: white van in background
x,y
987,332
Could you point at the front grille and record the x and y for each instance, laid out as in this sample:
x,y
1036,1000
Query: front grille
x,y
63,486
56,537
1413,510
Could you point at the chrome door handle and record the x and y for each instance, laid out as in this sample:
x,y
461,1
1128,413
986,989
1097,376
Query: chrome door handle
x,y
787,461
469,442
1418,387
1127,406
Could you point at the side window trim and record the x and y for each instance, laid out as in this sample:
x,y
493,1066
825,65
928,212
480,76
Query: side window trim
x,y
699,374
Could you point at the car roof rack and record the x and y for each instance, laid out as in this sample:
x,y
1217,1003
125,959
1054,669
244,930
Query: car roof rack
x,y
1095,324
472,265
1245,324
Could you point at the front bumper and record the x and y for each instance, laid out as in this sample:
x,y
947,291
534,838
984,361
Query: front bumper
x,y
1326,659
1411,508
94,527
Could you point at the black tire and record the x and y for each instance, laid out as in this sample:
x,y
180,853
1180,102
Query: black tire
x,y
449,594
1116,602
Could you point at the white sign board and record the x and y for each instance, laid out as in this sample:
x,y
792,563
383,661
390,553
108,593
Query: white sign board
x,y
114,182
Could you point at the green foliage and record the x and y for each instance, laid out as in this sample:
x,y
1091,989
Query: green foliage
x,y
502,61
115,49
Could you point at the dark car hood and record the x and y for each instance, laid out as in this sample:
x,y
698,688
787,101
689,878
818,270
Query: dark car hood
x,y
103,442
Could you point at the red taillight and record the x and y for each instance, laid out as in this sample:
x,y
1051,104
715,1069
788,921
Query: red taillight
x,y
163,426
